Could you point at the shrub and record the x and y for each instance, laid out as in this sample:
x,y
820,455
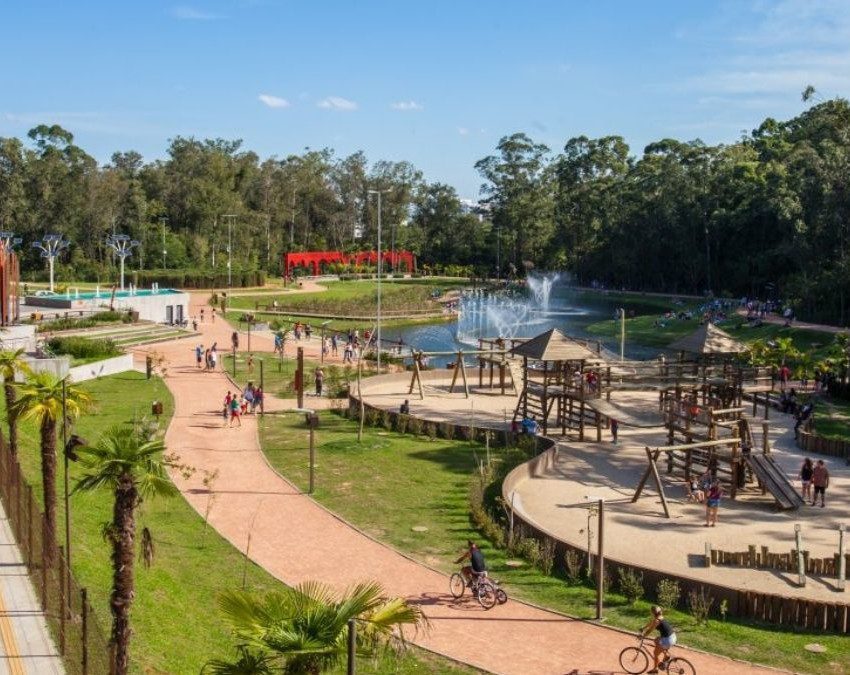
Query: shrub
x,y
386,420
90,321
700,605
528,548
401,422
668,593
370,419
447,430
631,584
572,565
547,556
431,430
415,426
83,348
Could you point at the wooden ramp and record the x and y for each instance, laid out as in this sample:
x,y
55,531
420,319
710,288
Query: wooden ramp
x,y
630,419
774,480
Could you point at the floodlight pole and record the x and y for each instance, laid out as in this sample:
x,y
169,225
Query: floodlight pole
x,y
378,342
230,217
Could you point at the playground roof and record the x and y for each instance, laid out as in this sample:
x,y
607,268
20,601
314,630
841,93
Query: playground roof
x,y
708,339
553,345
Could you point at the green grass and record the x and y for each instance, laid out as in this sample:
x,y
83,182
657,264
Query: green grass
x,y
642,330
391,483
279,374
356,298
832,418
175,622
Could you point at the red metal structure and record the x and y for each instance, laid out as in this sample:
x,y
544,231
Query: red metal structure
x,y
315,259
10,277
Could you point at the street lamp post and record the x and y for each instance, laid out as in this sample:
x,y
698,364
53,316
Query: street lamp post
x,y
9,240
378,343
123,247
322,348
230,217
51,245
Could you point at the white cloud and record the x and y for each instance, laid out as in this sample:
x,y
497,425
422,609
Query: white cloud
x,y
463,131
406,105
187,13
273,101
337,103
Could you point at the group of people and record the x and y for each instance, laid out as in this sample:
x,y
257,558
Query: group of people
x,y
246,402
706,489
206,358
814,476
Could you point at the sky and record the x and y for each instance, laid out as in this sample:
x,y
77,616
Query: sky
x,y
436,83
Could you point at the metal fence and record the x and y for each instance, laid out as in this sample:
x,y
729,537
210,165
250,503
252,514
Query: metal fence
x,y
81,640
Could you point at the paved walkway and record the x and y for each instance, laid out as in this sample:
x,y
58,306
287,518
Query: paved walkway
x,y
296,539
25,643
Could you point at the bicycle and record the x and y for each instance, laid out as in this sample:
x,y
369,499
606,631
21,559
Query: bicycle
x,y
484,589
636,660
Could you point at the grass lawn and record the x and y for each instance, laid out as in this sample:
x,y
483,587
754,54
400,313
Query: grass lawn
x,y
176,625
832,418
642,330
279,374
355,297
392,482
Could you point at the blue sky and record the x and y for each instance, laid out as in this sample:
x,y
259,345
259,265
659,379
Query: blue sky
x,y
437,83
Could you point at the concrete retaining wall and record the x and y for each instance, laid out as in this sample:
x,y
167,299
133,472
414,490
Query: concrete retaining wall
x,y
111,366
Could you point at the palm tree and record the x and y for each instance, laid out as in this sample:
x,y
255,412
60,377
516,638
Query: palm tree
x,y
40,399
303,630
133,468
11,365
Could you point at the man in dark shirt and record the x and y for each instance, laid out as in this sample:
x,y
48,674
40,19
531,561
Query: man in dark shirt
x,y
477,567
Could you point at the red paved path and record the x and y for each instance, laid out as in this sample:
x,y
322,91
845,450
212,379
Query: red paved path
x,y
295,539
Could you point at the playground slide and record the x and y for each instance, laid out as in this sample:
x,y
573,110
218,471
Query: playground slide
x,y
772,477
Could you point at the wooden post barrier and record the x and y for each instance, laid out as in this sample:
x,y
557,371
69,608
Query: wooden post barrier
x,y
801,563
842,559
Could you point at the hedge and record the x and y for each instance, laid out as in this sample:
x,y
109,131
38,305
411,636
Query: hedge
x,y
83,348
198,279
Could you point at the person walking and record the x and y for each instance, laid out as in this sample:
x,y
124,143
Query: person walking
x,y
320,381
806,472
213,358
820,479
615,429
226,411
234,411
712,503
335,345
199,354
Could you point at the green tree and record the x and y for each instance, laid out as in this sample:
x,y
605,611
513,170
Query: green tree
x,y
12,364
304,629
133,469
40,399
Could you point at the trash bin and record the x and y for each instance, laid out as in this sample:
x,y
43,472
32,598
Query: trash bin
x,y
156,408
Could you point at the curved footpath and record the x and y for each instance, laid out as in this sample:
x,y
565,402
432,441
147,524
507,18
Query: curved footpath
x,y
295,539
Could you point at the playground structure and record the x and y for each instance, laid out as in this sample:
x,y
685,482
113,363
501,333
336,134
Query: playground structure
x,y
10,277
315,259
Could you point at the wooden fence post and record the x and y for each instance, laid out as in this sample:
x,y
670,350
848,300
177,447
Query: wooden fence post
x,y
801,565
61,560
842,559
84,657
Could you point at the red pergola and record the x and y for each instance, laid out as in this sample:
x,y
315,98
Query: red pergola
x,y
10,276
315,259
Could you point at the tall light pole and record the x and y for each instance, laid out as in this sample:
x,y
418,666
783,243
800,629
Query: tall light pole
x,y
51,245
230,217
162,220
378,357
123,247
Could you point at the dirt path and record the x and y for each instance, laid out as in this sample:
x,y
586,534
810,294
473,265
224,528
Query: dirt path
x,y
296,539
802,325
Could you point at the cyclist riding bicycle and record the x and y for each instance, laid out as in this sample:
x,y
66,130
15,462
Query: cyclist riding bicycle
x,y
477,567
666,635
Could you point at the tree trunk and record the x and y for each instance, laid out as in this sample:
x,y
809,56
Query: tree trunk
x,y
48,480
123,557
12,419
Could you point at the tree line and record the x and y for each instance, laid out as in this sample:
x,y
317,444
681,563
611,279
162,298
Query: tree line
x,y
765,216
